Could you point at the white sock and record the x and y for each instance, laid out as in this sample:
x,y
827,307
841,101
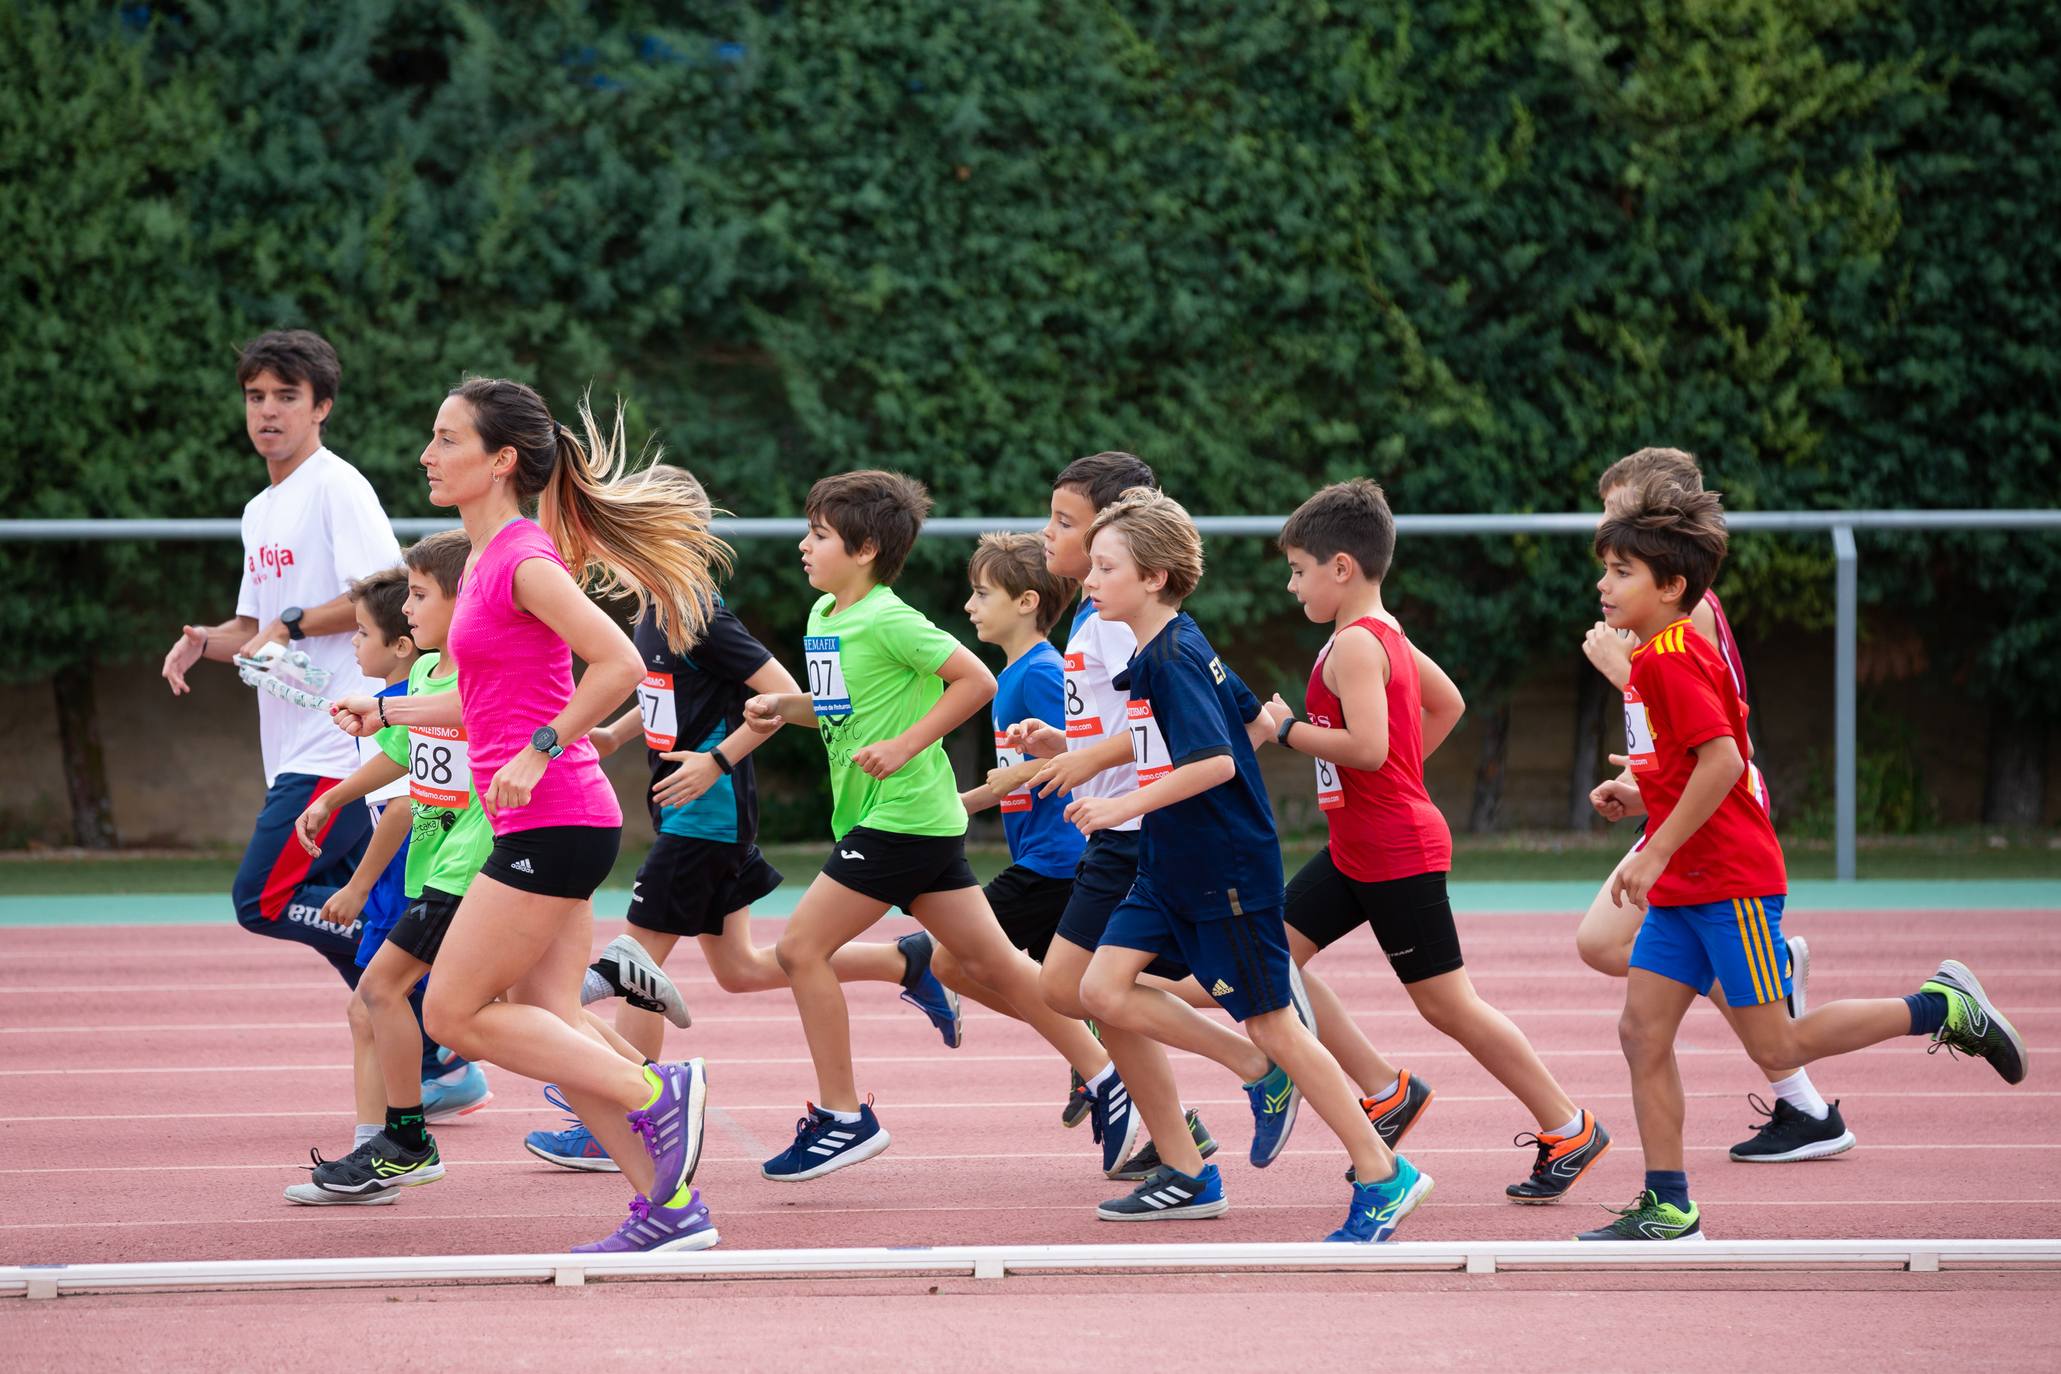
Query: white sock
x,y
1573,1127
595,989
366,1133
1395,1085
845,1118
1799,1092
1095,1083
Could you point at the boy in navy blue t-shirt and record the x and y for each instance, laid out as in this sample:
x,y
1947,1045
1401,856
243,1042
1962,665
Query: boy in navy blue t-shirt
x,y
1209,889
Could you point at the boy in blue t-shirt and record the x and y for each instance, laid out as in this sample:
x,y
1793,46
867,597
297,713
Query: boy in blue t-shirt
x,y
1209,890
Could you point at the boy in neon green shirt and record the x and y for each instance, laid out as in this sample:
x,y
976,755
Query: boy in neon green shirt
x,y
884,687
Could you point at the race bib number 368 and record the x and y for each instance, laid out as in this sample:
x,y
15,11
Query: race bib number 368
x,y
1005,757
826,675
1081,723
1638,733
439,766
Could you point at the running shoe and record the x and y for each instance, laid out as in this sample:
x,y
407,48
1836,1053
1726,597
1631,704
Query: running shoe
x,y
1393,1116
1648,1218
1299,998
1562,1160
1078,1102
1378,1208
1274,1100
1115,1122
572,1148
633,975
1799,974
379,1164
1145,1163
650,1230
310,1195
460,1092
1974,1025
922,990
823,1144
671,1125
1170,1196
1786,1134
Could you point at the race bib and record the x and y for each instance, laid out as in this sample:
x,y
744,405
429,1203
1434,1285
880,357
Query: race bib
x,y
1330,791
1005,757
439,766
1147,744
1638,733
826,675
1081,723
661,712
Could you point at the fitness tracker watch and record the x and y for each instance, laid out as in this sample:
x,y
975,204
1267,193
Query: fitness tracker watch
x,y
723,765
545,742
1281,731
291,619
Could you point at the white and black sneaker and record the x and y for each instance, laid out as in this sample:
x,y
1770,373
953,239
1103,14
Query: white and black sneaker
x,y
1170,1196
633,975
1787,1135
1799,974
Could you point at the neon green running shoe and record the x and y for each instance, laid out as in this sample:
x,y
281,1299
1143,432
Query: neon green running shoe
x,y
1648,1218
1974,1026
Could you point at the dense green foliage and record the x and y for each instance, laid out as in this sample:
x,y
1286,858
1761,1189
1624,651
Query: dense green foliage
x,y
1475,249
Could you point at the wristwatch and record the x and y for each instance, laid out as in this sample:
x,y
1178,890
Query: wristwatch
x,y
1281,731
723,765
545,742
291,619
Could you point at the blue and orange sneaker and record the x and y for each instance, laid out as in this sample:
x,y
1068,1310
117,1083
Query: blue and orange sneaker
x,y
922,990
572,1148
1274,1098
650,1230
823,1144
1378,1208
671,1123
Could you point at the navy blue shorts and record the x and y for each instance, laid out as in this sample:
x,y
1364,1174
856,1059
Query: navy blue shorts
x,y
1739,941
1241,960
1101,881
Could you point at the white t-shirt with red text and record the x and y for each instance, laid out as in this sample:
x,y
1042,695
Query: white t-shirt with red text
x,y
304,542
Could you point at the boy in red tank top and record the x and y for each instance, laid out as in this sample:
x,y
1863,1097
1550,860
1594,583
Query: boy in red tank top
x,y
1709,873
1377,708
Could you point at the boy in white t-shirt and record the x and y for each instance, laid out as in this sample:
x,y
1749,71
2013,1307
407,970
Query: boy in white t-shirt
x,y
307,536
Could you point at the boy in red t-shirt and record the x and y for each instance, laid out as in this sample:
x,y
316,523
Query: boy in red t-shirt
x,y
1710,871
1378,707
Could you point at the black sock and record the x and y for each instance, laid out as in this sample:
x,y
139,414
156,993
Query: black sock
x,y
406,1128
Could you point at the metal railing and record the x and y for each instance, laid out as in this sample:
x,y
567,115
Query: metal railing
x,y
1841,525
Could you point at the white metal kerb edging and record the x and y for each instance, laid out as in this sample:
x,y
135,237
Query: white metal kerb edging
x,y
998,1261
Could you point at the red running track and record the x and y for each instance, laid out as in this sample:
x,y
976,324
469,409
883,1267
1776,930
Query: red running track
x,y
164,1083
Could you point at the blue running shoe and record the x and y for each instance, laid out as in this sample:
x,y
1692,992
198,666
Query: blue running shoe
x,y
1170,1196
650,1229
1115,1123
1274,1101
671,1124
458,1093
823,1144
922,990
572,1148
1378,1207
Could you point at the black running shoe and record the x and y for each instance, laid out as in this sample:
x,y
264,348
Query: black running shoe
x,y
378,1164
1974,1025
1142,1164
1394,1115
1078,1102
1562,1160
1787,1134
1170,1196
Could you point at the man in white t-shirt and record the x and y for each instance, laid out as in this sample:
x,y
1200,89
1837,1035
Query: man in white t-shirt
x,y
314,530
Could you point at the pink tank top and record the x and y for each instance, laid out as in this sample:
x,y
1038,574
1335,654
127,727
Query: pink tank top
x,y
514,675
1727,645
1384,824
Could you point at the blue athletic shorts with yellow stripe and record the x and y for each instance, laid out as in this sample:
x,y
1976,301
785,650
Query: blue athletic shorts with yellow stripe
x,y
1737,942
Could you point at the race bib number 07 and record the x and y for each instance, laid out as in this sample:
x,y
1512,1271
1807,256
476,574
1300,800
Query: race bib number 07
x,y
439,766
825,667
1638,733
661,711
1148,746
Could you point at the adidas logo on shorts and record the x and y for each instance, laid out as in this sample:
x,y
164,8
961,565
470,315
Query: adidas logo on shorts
x,y
522,866
1220,988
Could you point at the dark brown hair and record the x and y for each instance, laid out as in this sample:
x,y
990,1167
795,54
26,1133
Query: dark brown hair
x,y
1015,564
300,356
441,556
1674,531
1346,517
385,594
884,508
645,534
1672,463
1103,477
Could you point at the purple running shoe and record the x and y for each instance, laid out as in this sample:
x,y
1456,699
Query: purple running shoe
x,y
671,1126
650,1229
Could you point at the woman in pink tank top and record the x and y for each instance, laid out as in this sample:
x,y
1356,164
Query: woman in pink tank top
x,y
508,976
